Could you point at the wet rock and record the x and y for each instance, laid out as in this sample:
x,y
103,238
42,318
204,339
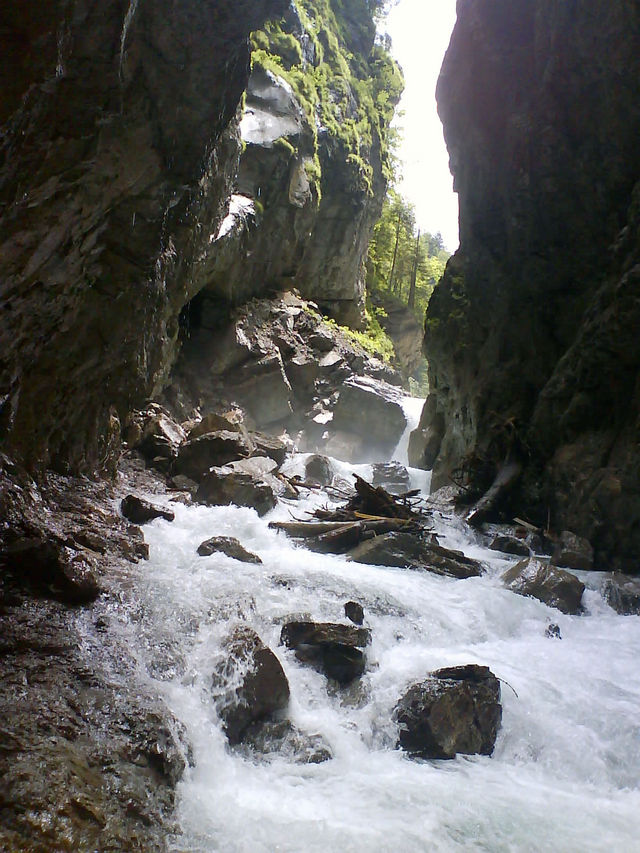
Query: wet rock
x,y
317,469
547,583
622,593
510,545
139,511
412,551
371,408
354,612
249,683
333,649
456,710
281,737
224,486
573,552
393,476
54,570
198,455
229,546
553,632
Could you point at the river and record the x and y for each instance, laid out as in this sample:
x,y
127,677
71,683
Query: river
x,y
564,774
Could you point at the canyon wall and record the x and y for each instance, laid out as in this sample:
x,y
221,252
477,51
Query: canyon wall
x,y
116,160
532,335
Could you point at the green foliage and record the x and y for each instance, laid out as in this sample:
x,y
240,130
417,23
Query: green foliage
x,y
373,339
392,255
351,97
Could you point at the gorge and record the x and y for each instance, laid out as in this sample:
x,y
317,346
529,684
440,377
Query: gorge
x,y
187,194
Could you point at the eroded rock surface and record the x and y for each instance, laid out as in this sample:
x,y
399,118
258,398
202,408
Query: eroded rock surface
x,y
413,551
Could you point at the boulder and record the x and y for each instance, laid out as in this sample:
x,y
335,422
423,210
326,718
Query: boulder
x,y
573,552
198,455
456,710
224,486
249,683
269,445
331,648
412,551
510,545
318,470
354,612
139,511
553,632
229,546
393,476
547,583
263,389
281,737
160,439
371,408
214,422
622,593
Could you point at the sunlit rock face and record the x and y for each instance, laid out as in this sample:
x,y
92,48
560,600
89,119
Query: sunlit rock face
x,y
532,336
116,157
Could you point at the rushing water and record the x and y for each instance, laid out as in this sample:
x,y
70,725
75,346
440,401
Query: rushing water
x,y
564,774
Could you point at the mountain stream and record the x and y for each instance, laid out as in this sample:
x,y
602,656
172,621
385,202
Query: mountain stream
x,y
564,773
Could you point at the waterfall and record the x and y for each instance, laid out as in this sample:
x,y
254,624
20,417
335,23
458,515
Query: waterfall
x,y
128,18
564,774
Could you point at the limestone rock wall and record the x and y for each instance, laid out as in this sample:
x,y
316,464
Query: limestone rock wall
x,y
532,335
116,158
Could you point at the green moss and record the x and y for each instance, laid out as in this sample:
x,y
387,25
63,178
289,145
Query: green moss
x,y
373,339
283,144
351,96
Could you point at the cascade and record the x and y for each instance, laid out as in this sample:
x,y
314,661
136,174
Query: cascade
x,y
563,775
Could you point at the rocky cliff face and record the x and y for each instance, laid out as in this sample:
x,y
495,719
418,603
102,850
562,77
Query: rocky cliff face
x,y
532,334
312,176
115,164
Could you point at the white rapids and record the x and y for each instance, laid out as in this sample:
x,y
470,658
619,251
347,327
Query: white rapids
x,y
564,775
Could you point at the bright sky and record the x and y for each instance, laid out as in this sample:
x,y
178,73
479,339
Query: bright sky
x,y
421,30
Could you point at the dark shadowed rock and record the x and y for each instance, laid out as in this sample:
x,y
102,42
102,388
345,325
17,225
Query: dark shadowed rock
x,y
573,552
317,469
198,455
139,511
53,570
510,545
553,632
249,684
333,649
622,593
229,546
456,710
412,551
548,584
281,737
354,612
393,476
224,486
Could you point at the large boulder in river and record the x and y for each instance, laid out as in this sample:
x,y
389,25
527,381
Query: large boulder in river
x,y
334,649
413,551
249,683
393,476
224,486
139,511
198,455
548,584
456,710
371,409
622,593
